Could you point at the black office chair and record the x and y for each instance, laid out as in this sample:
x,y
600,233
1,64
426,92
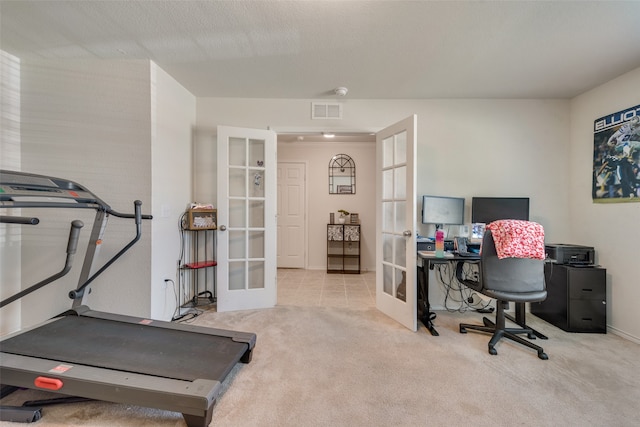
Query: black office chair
x,y
518,280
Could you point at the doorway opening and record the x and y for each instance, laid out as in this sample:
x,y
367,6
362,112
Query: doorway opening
x,y
304,199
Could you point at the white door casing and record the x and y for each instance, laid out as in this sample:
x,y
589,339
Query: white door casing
x,y
247,193
396,289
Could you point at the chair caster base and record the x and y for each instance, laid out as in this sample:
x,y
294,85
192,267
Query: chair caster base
x,y
499,333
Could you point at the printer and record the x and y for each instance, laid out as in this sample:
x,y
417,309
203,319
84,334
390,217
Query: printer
x,y
564,253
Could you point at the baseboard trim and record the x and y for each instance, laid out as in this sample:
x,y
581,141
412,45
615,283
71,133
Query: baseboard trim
x,y
623,334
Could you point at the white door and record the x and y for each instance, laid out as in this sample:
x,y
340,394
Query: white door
x,y
246,272
291,215
396,221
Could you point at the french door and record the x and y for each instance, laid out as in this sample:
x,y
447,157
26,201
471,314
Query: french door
x,y
246,272
396,293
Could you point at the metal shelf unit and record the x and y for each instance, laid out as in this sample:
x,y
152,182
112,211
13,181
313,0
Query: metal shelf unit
x,y
197,268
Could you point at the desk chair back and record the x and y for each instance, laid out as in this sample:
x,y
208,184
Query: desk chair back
x,y
511,279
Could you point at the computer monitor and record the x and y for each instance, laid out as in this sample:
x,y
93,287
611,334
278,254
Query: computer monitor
x,y
488,209
442,210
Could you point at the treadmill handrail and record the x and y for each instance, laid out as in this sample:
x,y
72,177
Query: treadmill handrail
x,y
133,215
24,220
72,245
19,189
79,291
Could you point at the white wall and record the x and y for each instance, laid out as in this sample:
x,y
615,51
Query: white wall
x,y
465,148
10,234
173,120
611,228
498,148
101,124
88,121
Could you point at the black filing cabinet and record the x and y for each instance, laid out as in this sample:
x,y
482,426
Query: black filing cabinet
x,y
576,298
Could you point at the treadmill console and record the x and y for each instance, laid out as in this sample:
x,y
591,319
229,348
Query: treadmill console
x,y
19,189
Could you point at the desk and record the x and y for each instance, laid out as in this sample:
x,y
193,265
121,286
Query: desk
x,y
429,261
426,316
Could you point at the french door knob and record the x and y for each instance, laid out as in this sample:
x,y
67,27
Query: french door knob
x,y
222,227
407,233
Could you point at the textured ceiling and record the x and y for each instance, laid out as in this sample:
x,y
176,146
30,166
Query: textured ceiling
x,y
378,49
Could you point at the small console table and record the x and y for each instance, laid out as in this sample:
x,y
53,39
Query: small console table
x,y
343,248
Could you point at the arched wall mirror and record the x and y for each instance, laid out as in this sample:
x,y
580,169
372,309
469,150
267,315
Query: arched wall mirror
x,y
342,175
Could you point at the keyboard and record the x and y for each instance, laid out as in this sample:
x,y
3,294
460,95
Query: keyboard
x,y
468,254
433,254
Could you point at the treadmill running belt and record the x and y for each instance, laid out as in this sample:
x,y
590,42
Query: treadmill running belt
x,y
129,347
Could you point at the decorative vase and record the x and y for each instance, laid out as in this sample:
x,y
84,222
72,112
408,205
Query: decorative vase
x,y
342,219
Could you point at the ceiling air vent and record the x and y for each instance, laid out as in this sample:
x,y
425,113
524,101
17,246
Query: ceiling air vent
x,y
326,110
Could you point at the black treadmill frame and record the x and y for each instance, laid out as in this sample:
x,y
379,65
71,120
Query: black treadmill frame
x,y
195,399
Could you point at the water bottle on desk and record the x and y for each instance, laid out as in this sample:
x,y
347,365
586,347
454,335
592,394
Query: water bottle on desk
x,y
439,244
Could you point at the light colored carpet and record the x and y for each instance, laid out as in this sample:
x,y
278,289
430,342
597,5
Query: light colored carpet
x,y
323,366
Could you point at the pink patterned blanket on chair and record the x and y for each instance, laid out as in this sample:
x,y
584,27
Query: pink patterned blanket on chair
x,y
518,239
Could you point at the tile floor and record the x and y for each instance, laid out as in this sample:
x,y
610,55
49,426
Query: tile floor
x,y
317,288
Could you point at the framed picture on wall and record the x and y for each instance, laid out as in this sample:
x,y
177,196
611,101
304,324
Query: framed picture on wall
x,y
616,157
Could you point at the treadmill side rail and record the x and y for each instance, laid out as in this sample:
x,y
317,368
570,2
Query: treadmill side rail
x,y
19,414
193,398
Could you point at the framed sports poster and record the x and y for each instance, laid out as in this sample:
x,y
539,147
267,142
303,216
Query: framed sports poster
x,y
616,157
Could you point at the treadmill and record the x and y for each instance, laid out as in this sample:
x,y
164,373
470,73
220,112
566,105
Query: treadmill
x,y
83,353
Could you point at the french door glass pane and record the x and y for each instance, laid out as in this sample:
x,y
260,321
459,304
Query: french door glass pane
x,y
387,184
237,216
256,152
387,152
387,248
400,279
256,275
237,275
387,279
237,244
237,182
237,152
400,251
387,217
400,153
256,213
400,216
256,183
256,244
399,190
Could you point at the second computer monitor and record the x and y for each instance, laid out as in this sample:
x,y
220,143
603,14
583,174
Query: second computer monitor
x,y
488,209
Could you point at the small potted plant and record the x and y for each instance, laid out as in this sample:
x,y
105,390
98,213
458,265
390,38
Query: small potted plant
x,y
343,216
